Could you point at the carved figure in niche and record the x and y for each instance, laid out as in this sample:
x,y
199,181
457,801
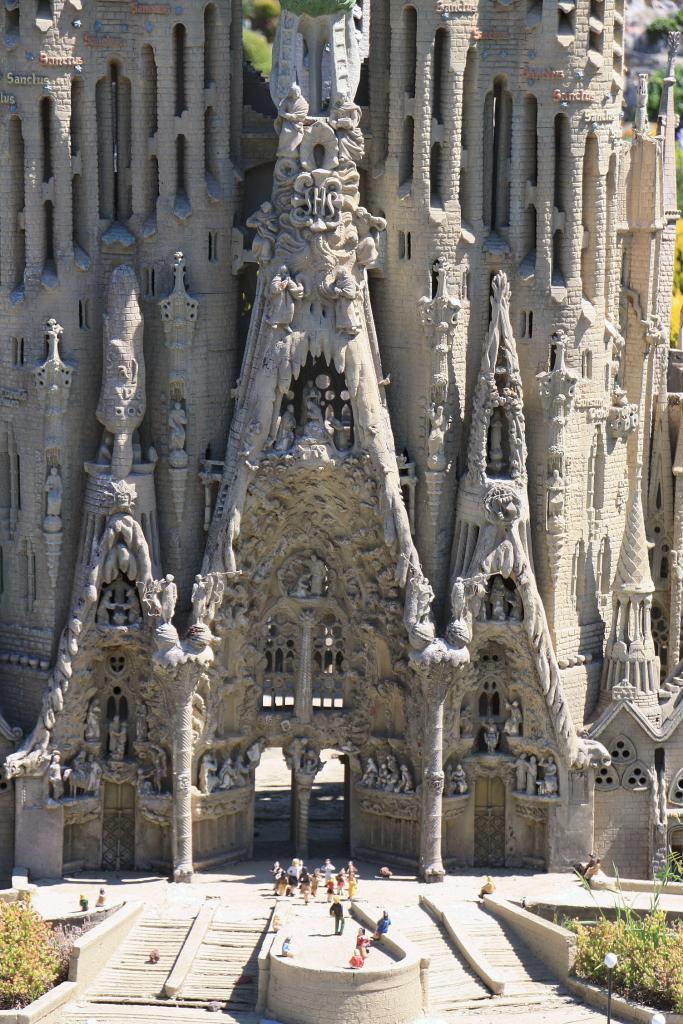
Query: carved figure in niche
x,y
513,723
370,776
94,774
456,781
284,292
292,114
119,605
286,431
465,722
343,290
555,497
531,775
53,492
265,223
345,119
177,422
159,767
418,612
498,600
405,782
314,421
491,735
515,606
548,785
118,738
229,774
198,716
207,592
141,724
254,752
54,776
168,595
92,722
521,769
341,434
391,774
496,458
435,442
208,773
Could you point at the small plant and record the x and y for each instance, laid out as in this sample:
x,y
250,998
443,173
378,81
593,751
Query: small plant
x,y
30,955
649,949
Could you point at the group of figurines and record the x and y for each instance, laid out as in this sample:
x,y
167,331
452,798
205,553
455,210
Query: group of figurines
x,y
536,776
500,603
297,878
455,781
234,772
390,776
317,422
81,778
491,733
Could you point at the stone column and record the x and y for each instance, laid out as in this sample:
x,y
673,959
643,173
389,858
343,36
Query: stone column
x,y
435,681
182,782
303,784
304,692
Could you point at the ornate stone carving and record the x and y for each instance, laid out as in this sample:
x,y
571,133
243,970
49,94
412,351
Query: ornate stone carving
x,y
53,380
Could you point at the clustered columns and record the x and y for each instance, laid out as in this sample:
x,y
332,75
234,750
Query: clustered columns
x,y
302,785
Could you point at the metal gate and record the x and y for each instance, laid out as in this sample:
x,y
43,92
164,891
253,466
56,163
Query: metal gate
x,y
118,827
489,823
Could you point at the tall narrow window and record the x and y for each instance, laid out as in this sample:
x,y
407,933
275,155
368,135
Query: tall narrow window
x,y
466,185
611,240
497,150
149,90
48,211
436,175
113,101
179,35
406,157
596,30
211,45
409,50
12,27
529,179
211,152
16,201
562,191
76,115
439,73
591,172
46,137
181,185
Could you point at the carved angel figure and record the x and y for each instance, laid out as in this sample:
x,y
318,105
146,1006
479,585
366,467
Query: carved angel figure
x,y
513,723
371,774
405,782
92,722
491,735
208,773
284,292
53,493
456,781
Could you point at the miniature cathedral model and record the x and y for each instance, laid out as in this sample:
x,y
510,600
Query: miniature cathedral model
x,y
382,451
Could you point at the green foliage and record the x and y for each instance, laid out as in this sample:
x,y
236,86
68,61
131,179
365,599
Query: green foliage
x,y
257,51
660,27
654,93
316,8
649,968
30,955
262,16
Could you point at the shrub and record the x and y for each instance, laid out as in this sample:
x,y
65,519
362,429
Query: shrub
x,y
262,16
257,51
29,955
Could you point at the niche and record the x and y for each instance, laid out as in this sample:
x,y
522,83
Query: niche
x,y
46,137
439,74
179,34
497,152
405,172
589,242
467,183
409,50
211,152
211,45
16,202
113,102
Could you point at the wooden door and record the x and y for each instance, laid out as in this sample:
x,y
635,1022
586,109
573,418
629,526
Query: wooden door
x,y
118,827
489,823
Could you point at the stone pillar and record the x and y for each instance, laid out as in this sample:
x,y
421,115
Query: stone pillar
x,y
182,784
435,681
304,692
303,784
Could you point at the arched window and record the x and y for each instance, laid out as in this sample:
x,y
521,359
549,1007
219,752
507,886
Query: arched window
x,y
497,151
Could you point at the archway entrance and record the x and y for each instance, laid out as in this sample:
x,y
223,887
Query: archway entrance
x,y
272,807
328,823
489,823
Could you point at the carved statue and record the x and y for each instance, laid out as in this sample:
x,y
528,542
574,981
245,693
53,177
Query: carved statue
x,y
286,431
496,458
456,781
122,399
392,775
254,752
418,612
521,769
513,723
370,776
92,722
314,421
54,777
168,592
207,593
515,606
141,724
284,292
405,782
531,774
313,582
83,775
208,773
159,767
118,738
265,223
548,785
229,775
555,496
498,600
465,722
53,492
435,442
491,735
344,290
95,774
292,114
177,422
345,119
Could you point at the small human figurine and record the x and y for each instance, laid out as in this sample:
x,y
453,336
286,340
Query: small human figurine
x,y
328,869
292,114
208,769
316,879
275,871
281,882
54,776
515,606
363,942
337,912
344,291
284,292
177,422
393,775
488,888
435,440
168,592
286,431
101,898
382,926
465,722
457,781
141,725
329,889
513,723
288,948
498,600
305,885
491,735
92,722
341,882
548,785
118,738
371,774
357,959
352,886
94,774
53,493
265,223
531,773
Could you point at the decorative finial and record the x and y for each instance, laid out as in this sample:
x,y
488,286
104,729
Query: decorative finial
x,y
673,42
641,109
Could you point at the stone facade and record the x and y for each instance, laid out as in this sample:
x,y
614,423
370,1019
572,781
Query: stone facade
x,y
337,418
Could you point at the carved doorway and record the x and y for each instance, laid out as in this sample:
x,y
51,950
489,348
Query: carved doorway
x,y
489,823
118,827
